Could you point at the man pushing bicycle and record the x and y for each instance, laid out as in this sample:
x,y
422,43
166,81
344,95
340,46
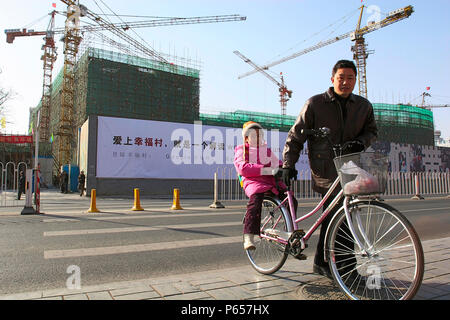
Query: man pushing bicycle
x,y
351,120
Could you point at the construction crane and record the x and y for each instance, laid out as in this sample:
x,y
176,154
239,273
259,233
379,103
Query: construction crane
x,y
48,57
429,107
436,106
360,52
72,39
285,94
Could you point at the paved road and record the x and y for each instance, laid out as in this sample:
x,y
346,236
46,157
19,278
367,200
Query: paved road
x,y
121,245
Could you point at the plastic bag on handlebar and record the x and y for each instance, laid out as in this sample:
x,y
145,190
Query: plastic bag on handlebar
x,y
364,182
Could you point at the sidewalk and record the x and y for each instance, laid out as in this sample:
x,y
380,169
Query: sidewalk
x,y
295,281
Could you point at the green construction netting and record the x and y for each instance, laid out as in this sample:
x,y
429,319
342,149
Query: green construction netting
x,y
403,115
237,118
142,62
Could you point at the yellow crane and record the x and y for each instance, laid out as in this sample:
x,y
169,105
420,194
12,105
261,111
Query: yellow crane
x,y
72,42
285,94
359,49
72,39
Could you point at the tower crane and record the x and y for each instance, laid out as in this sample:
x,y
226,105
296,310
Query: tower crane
x,y
285,94
72,39
360,52
48,57
429,107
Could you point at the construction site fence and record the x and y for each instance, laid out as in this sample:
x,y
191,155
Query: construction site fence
x,y
398,184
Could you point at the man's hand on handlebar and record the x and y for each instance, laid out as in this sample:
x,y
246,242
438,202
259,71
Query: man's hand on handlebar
x,y
353,146
287,174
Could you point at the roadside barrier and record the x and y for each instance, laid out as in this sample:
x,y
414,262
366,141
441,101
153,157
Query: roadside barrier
x,y
137,201
176,200
216,203
93,207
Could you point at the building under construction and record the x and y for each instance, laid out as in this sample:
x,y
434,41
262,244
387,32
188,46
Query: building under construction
x,y
114,84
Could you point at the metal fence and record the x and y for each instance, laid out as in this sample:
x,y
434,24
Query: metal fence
x,y
399,184
428,183
9,183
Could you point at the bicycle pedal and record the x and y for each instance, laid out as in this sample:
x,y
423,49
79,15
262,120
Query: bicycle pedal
x,y
301,256
277,233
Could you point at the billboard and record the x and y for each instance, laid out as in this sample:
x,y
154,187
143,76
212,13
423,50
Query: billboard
x,y
145,149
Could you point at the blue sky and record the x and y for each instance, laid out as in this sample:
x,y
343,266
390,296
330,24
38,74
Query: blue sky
x,y
408,55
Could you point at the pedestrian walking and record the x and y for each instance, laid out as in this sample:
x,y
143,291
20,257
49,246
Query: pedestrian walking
x,y
64,180
81,182
21,188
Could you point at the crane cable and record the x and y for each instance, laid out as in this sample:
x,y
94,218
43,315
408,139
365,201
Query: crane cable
x,y
148,45
345,18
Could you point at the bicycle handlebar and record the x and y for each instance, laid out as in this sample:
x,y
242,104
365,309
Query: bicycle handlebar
x,y
324,132
321,132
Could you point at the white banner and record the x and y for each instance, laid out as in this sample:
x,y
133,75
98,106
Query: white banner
x,y
130,148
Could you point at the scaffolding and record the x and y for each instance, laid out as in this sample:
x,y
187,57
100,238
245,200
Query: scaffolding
x,y
120,85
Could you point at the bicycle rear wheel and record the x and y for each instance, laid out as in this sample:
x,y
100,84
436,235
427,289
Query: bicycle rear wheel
x,y
391,265
270,254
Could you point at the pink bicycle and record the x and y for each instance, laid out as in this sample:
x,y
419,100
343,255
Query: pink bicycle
x,y
385,258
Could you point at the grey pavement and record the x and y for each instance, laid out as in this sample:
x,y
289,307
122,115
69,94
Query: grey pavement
x,y
295,281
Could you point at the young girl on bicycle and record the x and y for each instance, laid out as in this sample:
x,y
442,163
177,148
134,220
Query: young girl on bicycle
x,y
256,164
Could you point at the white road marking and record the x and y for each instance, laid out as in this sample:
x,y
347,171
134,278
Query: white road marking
x,y
137,229
95,216
85,252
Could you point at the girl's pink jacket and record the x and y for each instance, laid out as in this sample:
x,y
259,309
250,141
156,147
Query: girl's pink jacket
x,y
257,159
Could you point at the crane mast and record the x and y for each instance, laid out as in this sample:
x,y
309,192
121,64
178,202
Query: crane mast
x,y
49,57
72,40
360,55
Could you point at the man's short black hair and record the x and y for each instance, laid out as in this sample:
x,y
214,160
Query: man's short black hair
x,y
344,64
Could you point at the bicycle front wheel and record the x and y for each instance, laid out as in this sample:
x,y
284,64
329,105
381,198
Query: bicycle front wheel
x,y
391,264
270,253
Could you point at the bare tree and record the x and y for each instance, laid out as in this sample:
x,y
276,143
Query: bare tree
x,y
5,95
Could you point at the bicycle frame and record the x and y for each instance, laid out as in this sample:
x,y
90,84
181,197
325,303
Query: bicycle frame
x,y
294,220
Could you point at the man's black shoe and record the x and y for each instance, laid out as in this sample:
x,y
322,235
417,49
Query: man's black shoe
x,y
322,270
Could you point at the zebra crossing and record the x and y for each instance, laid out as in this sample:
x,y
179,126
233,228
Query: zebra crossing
x,y
147,227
